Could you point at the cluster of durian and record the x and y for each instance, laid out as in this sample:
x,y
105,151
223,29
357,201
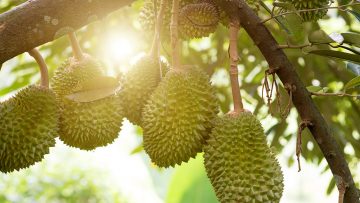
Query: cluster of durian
x,y
312,15
85,125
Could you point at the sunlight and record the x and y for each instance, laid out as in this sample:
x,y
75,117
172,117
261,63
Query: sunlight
x,y
119,47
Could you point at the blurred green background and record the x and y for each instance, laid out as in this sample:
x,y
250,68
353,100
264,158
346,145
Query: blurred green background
x,y
121,173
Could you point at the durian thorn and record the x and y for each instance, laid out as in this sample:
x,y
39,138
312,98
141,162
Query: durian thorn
x,y
234,58
304,124
78,54
42,66
175,42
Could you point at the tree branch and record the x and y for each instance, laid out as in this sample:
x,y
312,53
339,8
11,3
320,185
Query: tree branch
x,y
301,97
36,22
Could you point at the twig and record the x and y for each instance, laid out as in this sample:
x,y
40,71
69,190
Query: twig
x,y
78,54
42,66
340,94
175,43
234,73
304,124
306,10
158,26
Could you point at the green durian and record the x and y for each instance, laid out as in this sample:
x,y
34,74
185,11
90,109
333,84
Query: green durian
x,y
310,4
240,164
72,73
85,125
139,83
147,17
28,127
178,117
198,20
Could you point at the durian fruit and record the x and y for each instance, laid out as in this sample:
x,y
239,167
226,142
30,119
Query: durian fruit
x,y
240,164
139,83
178,117
198,20
310,4
147,17
85,125
28,127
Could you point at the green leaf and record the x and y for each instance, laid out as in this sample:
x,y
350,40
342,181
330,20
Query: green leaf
x,y
137,149
351,38
96,89
92,95
331,186
353,67
196,187
356,14
352,83
319,36
314,88
337,54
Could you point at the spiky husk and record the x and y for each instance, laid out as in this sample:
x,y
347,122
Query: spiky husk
x,y
178,117
198,20
139,83
147,16
85,125
72,72
240,164
310,4
28,127
92,124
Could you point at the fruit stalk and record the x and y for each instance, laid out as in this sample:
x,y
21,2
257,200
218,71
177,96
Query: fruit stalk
x,y
78,54
234,57
42,66
158,26
175,43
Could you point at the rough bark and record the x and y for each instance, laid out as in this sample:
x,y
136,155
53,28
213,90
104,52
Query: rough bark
x,y
276,58
36,22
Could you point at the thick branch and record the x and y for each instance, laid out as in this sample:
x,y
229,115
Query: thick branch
x,y
301,97
39,21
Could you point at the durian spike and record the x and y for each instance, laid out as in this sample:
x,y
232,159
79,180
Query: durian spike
x,y
175,43
78,54
234,58
42,66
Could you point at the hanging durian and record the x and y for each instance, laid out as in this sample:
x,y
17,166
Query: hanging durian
x,y
28,124
147,15
312,15
198,20
178,116
240,164
139,83
91,124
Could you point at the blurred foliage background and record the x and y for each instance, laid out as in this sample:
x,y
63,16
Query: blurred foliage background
x,y
69,175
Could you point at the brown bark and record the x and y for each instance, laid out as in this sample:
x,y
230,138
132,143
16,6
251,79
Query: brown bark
x,y
276,58
36,22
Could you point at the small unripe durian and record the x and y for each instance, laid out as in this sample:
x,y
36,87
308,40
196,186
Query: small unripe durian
x,y
178,117
28,127
240,164
85,125
313,15
198,20
139,83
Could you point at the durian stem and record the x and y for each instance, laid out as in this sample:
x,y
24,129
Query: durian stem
x,y
158,26
234,73
42,66
78,54
175,42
